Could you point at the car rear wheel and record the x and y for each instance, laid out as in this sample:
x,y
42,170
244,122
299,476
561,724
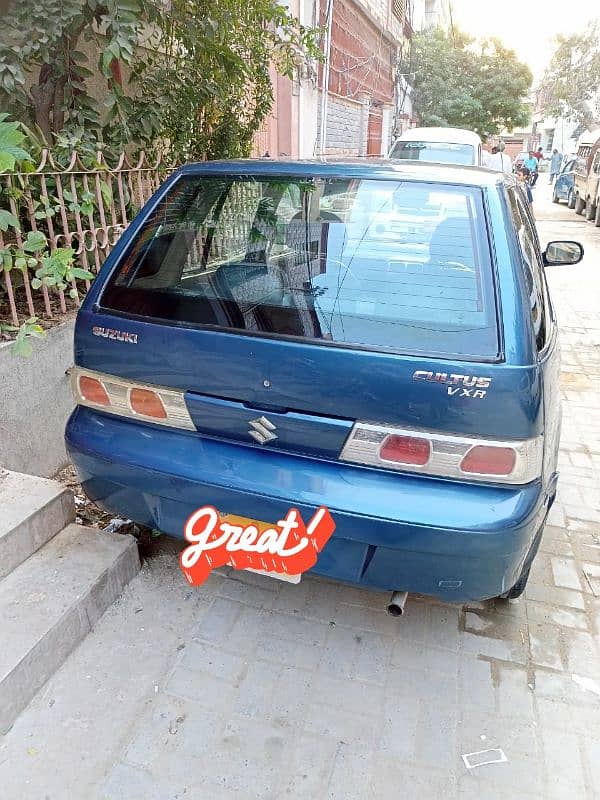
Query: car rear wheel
x,y
597,218
571,199
554,196
519,587
579,205
590,211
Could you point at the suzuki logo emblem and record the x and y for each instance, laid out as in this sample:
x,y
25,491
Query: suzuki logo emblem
x,y
261,430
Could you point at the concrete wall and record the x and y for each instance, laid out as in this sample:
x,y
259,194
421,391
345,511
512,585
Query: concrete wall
x,y
308,121
346,127
35,401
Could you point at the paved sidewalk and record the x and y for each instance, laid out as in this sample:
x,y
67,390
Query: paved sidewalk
x,y
248,688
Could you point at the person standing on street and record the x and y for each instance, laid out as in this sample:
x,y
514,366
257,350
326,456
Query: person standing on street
x,y
555,163
532,164
523,178
499,160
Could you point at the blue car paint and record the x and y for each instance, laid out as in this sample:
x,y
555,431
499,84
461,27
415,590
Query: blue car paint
x,y
565,182
458,541
473,537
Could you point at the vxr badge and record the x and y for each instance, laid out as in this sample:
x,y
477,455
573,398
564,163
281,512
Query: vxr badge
x,y
472,386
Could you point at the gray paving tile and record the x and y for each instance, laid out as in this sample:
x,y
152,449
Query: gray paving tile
x,y
310,767
517,739
435,737
415,656
252,757
392,777
555,615
208,691
565,574
343,723
564,776
214,661
545,646
351,774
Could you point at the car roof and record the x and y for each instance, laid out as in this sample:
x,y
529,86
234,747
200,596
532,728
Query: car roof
x,y
453,135
352,168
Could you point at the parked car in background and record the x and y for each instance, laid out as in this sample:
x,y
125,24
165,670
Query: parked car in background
x,y
587,172
592,198
374,336
440,145
564,185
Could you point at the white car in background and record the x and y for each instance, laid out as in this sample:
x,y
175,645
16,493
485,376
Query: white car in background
x,y
439,145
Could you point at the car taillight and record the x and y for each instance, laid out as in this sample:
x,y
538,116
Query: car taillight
x,y
131,399
93,391
444,455
147,403
484,460
405,450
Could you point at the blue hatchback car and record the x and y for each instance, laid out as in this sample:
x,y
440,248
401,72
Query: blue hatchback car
x,y
564,185
371,336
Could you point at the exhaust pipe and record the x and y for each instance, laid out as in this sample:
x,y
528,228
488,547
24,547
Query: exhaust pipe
x,y
395,607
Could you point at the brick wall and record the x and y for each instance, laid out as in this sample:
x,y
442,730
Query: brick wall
x,y
361,56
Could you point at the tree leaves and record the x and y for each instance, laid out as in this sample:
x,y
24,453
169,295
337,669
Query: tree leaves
x,y
570,84
8,220
458,84
11,139
199,84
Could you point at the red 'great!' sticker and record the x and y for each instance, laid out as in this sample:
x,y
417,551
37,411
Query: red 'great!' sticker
x,y
289,547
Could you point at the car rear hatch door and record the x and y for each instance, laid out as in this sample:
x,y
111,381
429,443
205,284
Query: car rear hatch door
x,y
289,309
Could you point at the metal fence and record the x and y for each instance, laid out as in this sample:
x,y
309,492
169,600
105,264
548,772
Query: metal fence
x,y
74,207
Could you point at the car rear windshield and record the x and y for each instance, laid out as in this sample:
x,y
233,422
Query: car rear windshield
x,y
446,152
384,264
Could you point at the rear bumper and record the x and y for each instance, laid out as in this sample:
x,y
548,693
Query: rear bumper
x,y
455,541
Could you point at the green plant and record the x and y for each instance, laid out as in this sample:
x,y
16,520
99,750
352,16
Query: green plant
x,y
466,84
570,84
56,270
53,269
30,329
11,139
197,81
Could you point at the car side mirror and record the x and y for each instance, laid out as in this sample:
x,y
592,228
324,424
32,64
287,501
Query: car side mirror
x,y
562,253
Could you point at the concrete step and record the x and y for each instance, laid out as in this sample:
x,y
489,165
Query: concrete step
x,y
32,511
50,602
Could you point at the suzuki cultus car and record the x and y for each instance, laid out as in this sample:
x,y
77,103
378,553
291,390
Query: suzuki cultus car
x,y
371,336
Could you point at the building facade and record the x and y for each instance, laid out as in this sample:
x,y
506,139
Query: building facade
x,y
348,104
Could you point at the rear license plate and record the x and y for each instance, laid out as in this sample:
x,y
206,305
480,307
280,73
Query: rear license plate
x,y
233,519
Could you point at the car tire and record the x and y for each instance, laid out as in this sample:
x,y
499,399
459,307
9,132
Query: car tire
x,y
571,199
579,205
554,197
590,211
519,587
597,217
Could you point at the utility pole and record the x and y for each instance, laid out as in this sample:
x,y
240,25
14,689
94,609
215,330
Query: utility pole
x,y
325,87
